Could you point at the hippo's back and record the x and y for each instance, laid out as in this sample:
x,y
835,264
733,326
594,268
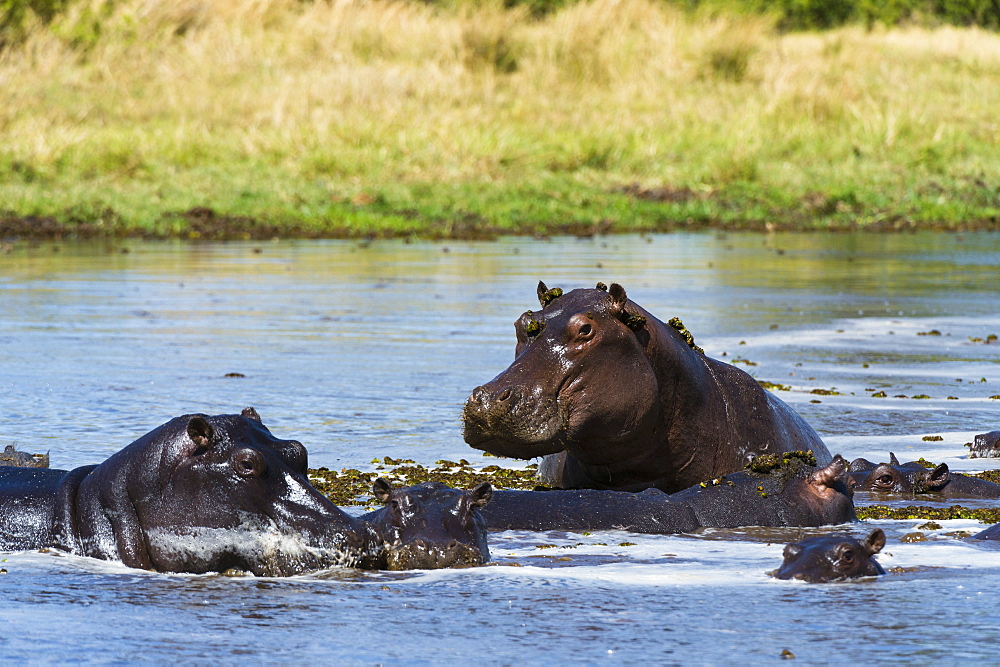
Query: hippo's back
x,y
27,499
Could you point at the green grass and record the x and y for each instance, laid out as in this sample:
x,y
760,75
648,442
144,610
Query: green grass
x,y
233,119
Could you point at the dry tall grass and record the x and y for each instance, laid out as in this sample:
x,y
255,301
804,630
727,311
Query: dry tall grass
x,y
178,101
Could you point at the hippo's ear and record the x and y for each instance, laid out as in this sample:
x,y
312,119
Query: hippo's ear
x,y
382,489
480,494
200,431
875,541
251,413
618,297
938,477
541,290
831,474
893,461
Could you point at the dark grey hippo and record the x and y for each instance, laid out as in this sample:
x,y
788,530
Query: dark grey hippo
x,y
985,446
10,456
430,526
912,478
833,557
198,494
791,493
616,399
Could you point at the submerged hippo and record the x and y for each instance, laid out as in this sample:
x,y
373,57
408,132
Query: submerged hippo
x,y
616,399
789,492
832,557
198,494
13,458
430,526
985,446
912,478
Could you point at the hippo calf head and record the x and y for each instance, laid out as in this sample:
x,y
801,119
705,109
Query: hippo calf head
x,y
206,494
580,374
906,479
431,525
832,557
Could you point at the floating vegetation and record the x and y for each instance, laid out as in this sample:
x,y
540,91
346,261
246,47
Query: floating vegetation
x,y
932,332
992,338
995,397
675,323
826,392
350,486
932,438
878,512
636,322
767,462
921,396
744,361
879,394
774,386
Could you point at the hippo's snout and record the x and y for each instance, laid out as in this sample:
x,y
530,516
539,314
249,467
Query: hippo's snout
x,y
513,420
420,554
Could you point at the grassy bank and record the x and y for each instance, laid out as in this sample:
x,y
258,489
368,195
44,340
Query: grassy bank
x,y
353,118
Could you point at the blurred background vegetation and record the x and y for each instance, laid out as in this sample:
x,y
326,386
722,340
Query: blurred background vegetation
x,y
361,117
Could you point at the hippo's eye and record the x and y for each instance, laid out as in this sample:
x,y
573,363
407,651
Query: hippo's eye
x,y
249,463
847,555
884,480
586,330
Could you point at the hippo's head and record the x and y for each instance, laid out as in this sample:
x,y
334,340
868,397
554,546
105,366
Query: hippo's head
x,y
431,525
580,373
905,479
832,557
204,494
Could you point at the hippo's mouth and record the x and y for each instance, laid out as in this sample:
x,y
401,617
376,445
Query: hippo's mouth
x,y
515,444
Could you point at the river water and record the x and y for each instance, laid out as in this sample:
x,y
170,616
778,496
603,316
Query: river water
x,y
364,350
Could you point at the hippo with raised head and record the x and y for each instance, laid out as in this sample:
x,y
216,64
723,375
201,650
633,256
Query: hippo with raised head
x,y
616,399
10,456
985,446
833,557
198,494
912,478
430,526
778,491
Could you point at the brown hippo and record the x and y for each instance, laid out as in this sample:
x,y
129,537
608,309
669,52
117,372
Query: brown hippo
x,y
775,491
430,526
10,456
616,399
832,557
197,494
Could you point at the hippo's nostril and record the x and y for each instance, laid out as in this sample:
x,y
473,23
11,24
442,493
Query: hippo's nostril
x,y
505,395
453,545
477,395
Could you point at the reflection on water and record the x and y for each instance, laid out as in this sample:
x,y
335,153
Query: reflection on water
x,y
364,350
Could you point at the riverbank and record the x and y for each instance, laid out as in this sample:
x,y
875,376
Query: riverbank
x,y
234,119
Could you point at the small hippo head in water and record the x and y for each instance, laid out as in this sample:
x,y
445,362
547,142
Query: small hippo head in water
x,y
832,557
430,525
10,456
616,399
904,479
206,494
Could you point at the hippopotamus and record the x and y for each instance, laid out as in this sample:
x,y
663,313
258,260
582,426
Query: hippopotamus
x,y
832,557
991,533
912,478
13,458
613,398
789,492
429,526
197,494
985,446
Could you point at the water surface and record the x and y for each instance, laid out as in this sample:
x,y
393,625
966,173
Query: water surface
x,y
365,350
